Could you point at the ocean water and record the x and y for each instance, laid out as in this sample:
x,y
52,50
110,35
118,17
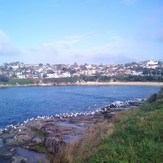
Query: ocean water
x,y
20,103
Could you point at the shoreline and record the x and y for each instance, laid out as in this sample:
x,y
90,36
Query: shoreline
x,y
124,83
50,132
88,84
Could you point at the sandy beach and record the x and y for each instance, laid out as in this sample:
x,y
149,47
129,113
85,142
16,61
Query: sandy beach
x,y
88,84
123,83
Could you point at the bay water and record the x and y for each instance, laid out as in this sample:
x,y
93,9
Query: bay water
x,y
20,103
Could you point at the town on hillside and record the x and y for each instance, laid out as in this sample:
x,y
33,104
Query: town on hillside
x,y
20,70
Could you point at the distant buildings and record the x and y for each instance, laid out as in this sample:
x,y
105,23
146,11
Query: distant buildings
x,y
21,70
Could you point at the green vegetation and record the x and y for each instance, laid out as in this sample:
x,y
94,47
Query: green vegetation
x,y
39,134
61,80
137,137
21,81
123,78
96,78
3,79
100,78
41,149
139,78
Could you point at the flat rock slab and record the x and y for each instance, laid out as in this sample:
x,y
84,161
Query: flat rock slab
x,y
50,133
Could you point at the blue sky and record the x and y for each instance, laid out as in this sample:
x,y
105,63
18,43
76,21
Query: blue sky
x,y
82,31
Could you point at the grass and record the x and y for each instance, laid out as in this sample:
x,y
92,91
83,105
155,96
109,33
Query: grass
x,y
85,146
135,135
39,134
21,81
41,149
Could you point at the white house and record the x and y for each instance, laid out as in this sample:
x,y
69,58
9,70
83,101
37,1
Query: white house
x,y
54,75
152,64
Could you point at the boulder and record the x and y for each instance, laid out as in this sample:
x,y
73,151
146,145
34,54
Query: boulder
x,y
39,124
53,143
6,153
19,159
37,140
22,137
49,128
1,143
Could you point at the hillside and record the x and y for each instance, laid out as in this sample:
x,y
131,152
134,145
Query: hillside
x,y
134,135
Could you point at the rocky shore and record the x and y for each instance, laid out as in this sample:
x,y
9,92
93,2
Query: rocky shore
x,y
38,139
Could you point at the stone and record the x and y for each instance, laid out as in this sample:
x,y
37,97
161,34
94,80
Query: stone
x,y
52,144
22,137
49,128
1,143
6,153
19,159
39,124
37,140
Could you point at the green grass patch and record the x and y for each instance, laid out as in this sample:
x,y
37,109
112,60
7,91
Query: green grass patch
x,y
21,81
40,134
137,137
41,149
61,80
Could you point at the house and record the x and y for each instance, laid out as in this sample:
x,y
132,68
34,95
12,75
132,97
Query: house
x,y
66,74
53,75
152,64
20,76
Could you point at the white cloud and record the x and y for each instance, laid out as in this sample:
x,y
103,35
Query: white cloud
x,y
3,37
6,47
160,36
74,48
107,47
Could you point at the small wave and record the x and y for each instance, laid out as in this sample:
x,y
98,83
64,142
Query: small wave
x,y
113,105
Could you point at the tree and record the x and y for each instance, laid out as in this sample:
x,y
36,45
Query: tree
x,y
40,65
3,78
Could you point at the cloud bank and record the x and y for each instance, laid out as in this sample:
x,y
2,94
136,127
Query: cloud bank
x,y
106,47
6,47
80,49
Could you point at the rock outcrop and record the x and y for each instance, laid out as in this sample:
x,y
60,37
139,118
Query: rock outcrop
x,y
48,134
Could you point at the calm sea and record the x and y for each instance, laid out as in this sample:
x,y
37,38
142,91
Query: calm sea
x,y
20,103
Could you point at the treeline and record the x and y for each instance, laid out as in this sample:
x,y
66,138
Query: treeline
x,y
139,78
82,78
61,80
98,78
5,81
3,78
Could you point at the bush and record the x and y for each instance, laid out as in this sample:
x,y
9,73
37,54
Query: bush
x,y
152,98
61,80
21,81
156,96
3,78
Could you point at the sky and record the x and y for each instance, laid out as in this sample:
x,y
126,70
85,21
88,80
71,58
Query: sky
x,y
82,31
